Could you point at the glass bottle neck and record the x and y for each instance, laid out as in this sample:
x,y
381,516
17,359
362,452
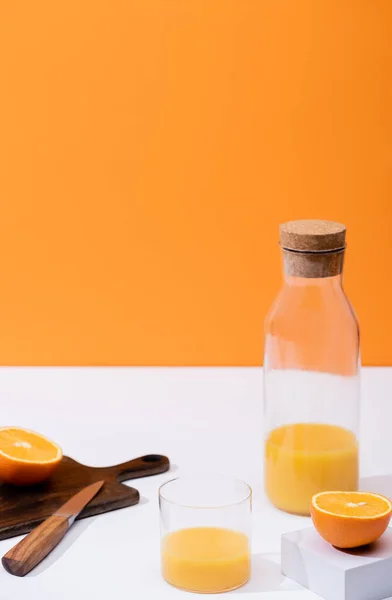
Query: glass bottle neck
x,y
335,281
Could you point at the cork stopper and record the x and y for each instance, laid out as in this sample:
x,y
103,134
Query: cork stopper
x,y
312,236
313,249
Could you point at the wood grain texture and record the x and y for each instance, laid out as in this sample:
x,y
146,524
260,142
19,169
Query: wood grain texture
x,y
26,555
22,509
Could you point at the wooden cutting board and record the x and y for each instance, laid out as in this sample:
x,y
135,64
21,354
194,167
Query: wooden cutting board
x,y
23,508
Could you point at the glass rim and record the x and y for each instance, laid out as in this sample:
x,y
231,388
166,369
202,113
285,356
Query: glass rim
x,y
213,506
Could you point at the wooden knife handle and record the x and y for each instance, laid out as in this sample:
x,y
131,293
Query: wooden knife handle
x,y
27,553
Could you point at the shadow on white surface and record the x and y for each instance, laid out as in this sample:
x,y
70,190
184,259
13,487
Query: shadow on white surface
x,y
173,469
77,529
381,548
266,577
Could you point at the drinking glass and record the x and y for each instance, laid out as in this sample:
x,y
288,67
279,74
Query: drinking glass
x,y
205,533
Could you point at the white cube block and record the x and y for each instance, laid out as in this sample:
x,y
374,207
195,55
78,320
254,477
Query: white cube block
x,y
358,574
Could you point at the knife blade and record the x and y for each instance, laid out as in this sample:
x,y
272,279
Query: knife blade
x,y
30,551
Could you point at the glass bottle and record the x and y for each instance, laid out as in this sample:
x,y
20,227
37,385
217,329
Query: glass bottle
x,y
311,372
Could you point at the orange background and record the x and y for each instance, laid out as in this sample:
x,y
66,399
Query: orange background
x,y
149,150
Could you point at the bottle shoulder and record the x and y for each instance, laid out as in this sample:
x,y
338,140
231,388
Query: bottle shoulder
x,y
310,301
312,328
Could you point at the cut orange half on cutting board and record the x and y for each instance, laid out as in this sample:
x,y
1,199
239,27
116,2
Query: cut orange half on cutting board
x,y
350,519
26,457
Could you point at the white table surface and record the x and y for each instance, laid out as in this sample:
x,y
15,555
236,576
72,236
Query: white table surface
x,y
205,420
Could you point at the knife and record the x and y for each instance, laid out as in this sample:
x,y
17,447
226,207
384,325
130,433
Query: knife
x,y
26,555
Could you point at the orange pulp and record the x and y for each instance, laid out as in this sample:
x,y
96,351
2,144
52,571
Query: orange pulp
x,y
26,457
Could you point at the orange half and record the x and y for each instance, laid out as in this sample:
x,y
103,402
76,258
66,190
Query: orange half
x,y
350,519
26,457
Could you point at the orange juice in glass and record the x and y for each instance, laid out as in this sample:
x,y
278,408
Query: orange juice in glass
x,y
205,534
